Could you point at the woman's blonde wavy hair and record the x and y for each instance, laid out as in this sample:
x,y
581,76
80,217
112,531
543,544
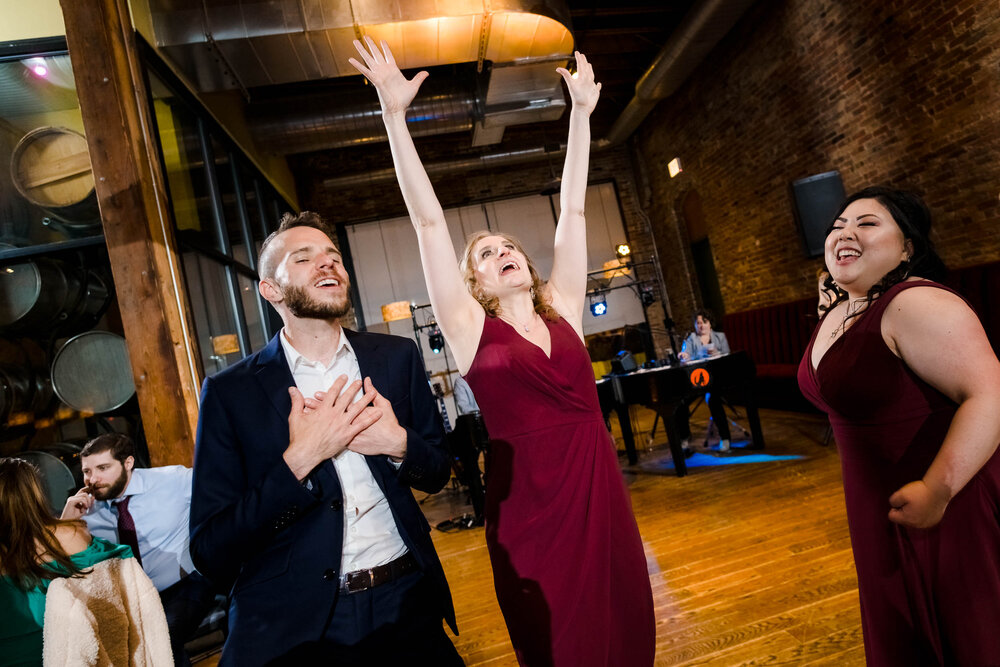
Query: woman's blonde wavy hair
x,y
491,304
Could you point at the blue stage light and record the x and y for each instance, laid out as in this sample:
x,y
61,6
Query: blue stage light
x,y
598,304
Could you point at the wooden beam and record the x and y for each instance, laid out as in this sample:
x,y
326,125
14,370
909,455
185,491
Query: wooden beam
x,y
134,208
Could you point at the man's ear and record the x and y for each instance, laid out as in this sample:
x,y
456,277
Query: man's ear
x,y
270,291
129,463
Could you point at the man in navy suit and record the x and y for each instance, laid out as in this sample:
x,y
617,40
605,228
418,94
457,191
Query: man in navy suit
x,y
306,454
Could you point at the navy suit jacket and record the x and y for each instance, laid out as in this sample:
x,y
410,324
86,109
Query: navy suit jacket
x,y
271,541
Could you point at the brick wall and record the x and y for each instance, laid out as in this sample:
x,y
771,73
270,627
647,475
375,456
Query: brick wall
x,y
903,92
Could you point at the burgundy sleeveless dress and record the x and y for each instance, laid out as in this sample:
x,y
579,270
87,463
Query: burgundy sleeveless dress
x,y
568,563
928,597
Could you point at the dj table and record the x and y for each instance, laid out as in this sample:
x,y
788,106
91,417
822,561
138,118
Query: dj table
x,y
669,388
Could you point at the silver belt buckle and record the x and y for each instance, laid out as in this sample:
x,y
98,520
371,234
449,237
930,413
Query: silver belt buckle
x,y
358,581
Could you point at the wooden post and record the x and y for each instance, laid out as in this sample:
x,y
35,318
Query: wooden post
x,y
134,208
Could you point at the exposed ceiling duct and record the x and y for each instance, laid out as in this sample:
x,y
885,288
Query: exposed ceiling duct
x,y
317,121
488,161
703,28
247,44
525,91
261,43
250,43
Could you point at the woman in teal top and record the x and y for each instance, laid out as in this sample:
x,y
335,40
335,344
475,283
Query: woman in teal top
x,y
36,548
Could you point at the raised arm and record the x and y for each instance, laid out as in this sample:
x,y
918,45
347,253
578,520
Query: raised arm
x,y
568,283
460,316
942,341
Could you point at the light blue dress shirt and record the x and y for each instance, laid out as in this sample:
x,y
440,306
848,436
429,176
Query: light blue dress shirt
x,y
160,505
696,350
465,400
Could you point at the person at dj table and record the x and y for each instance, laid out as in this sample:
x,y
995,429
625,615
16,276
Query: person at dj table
x,y
703,343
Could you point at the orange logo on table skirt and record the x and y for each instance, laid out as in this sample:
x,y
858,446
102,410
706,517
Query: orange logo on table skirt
x,y
700,378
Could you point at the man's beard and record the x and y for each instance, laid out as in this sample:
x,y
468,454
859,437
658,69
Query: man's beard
x,y
114,489
301,305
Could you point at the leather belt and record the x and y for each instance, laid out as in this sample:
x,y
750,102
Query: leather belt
x,y
362,580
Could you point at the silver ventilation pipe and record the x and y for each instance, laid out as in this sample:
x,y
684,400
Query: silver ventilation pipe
x,y
310,122
488,161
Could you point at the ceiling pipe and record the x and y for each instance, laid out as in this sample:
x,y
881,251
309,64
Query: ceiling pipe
x,y
309,123
699,32
511,95
488,161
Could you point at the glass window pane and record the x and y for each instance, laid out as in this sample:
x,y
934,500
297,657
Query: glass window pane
x,y
274,208
180,144
47,193
230,210
252,307
254,207
211,306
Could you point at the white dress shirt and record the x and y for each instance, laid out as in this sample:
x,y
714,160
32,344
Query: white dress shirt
x,y
160,505
370,534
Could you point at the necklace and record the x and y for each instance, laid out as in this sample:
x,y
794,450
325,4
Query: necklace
x,y
849,312
518,325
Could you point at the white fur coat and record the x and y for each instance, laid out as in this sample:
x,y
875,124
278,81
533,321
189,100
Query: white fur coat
x,y
111,617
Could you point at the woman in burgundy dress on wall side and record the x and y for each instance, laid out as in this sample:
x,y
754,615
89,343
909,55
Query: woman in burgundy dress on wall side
x,y
906,373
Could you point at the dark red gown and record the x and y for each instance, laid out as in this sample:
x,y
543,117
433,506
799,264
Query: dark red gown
x,y
928,597
568,563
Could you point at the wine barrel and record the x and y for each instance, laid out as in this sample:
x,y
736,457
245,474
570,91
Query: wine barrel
x,y
24,395
69,454
50,167
45,296
58,483
91,372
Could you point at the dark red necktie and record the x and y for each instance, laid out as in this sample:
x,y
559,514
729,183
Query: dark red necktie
x,y
126,528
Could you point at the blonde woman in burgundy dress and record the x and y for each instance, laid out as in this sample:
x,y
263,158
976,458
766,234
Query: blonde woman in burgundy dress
x,y
905,371
568,563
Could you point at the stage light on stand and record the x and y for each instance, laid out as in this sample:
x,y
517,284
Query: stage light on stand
x,y
435,339
623,251
647,294
598,304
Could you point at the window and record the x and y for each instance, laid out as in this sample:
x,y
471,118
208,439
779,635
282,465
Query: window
x,y
223,208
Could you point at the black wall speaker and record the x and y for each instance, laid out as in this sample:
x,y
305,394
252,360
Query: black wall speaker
x,y
817,199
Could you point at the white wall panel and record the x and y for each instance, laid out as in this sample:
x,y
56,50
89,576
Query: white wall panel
x,y
529,219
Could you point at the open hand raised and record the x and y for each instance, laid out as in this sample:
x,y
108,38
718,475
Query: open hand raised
x,y
582,89
395,92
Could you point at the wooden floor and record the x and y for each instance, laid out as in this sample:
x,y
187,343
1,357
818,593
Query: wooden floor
x,y
749,564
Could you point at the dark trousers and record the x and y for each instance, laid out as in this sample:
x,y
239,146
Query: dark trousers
x,y
392,624
185,604
464,444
